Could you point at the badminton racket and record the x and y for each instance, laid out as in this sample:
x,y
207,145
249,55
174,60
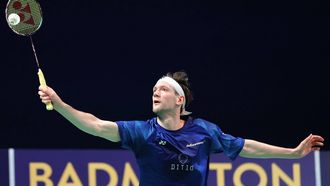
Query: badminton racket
x,y
24,17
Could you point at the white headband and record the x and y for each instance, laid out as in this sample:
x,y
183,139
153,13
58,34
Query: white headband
x,y
174,84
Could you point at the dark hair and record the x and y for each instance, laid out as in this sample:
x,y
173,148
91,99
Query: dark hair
x,y
182,78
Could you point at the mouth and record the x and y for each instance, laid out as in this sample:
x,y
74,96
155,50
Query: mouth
x,y
156,102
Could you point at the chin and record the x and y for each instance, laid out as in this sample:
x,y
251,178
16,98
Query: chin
x,y
155,110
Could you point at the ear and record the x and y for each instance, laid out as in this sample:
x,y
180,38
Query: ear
x,y
180,100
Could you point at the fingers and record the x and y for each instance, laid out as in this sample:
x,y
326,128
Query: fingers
x,y
313,138
309,144
43,88
41,93
314,141
316,148
318,144
46,101
45,98
46,90
317,138
44,94
307,140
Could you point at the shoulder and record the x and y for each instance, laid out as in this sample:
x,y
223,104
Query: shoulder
x,y
203,123
137,124
200,124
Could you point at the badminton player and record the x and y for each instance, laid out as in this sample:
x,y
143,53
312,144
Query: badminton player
x,y
171,150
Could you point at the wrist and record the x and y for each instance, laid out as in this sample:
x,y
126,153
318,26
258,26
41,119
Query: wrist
x,y
295,154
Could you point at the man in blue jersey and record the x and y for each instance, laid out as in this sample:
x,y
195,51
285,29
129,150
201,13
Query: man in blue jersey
x,y
170,150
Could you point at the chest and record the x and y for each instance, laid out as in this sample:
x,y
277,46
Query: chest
x,y
176,153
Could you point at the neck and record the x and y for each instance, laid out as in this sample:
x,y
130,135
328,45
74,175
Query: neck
x,y
170,122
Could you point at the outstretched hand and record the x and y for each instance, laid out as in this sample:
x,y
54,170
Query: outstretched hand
x,y
48,95
309,144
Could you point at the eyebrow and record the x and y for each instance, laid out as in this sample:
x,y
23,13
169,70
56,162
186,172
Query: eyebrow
x,y
161,86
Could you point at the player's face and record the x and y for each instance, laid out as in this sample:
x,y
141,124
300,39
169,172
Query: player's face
x,y
164,98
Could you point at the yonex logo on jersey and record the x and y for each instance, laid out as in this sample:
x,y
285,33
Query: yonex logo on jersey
x,y
162,142
195,144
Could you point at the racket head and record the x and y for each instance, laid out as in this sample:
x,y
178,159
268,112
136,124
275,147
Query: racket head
x,y
24,17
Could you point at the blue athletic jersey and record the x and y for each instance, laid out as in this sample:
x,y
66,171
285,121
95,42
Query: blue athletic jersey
x,y
178,157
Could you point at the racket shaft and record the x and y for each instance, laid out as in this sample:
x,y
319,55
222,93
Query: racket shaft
x,y
42,81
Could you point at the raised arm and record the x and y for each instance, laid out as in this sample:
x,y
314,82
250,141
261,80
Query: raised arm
x,y
255,149
82,120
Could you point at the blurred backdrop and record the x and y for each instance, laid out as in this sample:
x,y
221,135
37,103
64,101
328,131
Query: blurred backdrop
x,y
258,69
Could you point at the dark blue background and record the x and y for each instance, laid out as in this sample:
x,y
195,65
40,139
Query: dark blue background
x,y
258,69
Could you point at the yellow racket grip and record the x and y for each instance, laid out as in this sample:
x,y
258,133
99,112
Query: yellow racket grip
x,y
42,81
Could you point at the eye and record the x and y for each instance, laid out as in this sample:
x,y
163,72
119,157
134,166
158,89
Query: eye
x,y
163,89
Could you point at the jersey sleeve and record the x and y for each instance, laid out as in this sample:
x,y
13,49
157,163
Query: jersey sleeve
x,y
220,142
131,134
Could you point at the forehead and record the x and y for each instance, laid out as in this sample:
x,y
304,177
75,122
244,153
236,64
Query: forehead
x,y
163,84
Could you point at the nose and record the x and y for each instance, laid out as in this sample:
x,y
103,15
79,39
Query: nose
x,y
156,93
